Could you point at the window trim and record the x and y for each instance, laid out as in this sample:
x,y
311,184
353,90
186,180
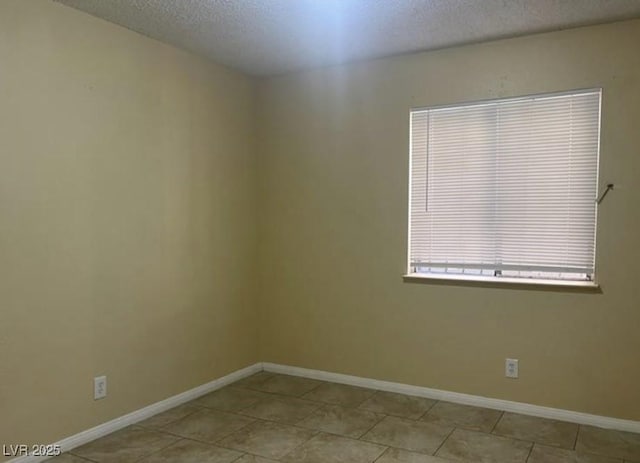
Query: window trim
x,y
499,281
494,281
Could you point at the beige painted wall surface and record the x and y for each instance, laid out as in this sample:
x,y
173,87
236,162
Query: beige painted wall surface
x,y
127,181
334,146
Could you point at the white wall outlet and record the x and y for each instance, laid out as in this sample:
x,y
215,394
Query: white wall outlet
x,y
511,368
99,387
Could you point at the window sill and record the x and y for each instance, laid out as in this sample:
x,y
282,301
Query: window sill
x,y
475,280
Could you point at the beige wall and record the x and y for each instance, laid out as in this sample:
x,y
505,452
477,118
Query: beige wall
x,y
127,221
334,163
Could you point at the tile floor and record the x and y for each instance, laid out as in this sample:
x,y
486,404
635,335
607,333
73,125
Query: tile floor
x,y
269,417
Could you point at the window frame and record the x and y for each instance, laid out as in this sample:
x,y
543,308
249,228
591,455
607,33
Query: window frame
x,y
490,280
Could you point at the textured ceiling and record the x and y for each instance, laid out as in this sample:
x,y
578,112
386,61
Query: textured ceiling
x,y
266,37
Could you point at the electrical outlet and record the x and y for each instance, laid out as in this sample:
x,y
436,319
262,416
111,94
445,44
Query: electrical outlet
x,y
511,368
99,387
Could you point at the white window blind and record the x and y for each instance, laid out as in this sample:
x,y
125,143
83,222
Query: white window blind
x,y
506,188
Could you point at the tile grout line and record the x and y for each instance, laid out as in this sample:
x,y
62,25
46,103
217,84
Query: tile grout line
x,y
435,402
324,402
575,442
319,407
245,453
239,456
160,449
404,417
373,426
315,434
70,452
445,440
134,426
159,428
530,452
191,438
382,454
218,442
495,425
320,383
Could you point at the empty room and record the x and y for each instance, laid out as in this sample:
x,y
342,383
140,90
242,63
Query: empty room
x,y
319,231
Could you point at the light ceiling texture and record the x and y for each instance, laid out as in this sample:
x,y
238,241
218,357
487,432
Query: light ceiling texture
x,y
267,37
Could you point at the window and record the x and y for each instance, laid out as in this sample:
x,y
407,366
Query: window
x,y
506,189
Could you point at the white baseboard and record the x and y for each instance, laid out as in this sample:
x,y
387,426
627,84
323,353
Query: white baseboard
x,y
457,397
103,429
